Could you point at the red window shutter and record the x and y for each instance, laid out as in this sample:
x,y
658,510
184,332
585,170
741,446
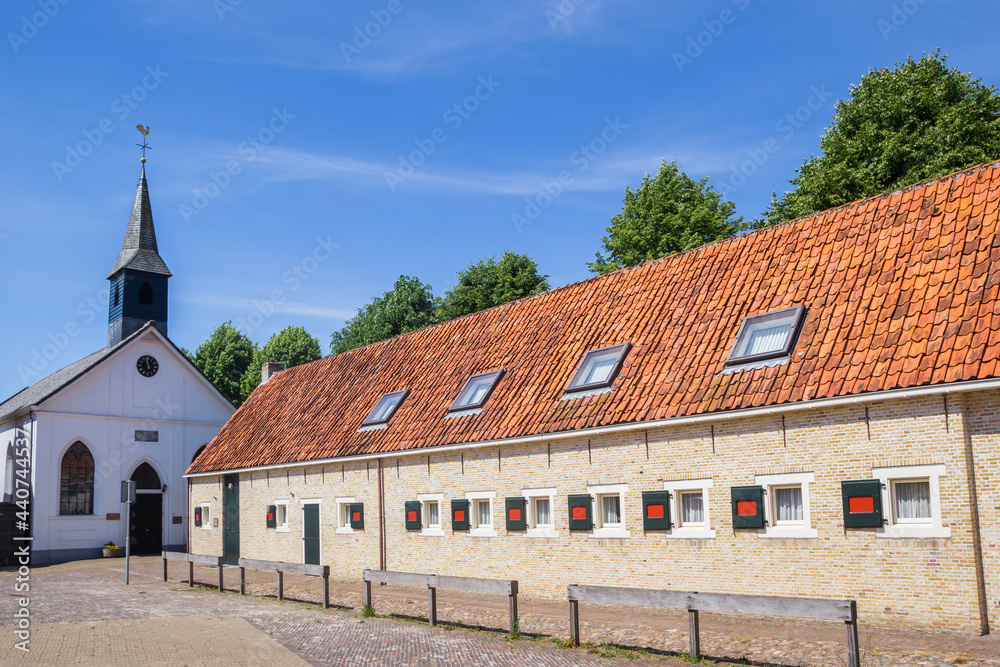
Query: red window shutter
x,y
654,511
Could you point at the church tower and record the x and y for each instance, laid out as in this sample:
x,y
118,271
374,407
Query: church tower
x,y
139,276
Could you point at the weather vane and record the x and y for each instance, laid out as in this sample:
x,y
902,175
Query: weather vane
x,y
143,145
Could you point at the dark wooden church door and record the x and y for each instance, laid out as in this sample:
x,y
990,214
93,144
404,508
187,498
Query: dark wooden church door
x,y
146,531
231,519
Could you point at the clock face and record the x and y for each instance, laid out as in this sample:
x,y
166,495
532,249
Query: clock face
x,y
147,366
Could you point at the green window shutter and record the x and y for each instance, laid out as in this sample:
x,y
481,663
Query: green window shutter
x,y
412,513
197,515
516,512
748,506
459,514
357,513
580,512
272,516
862,503
656,510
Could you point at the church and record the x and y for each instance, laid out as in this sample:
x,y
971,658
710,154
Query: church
x,y
137,409
809,409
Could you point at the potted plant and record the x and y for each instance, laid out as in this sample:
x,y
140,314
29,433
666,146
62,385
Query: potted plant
x,y
113,551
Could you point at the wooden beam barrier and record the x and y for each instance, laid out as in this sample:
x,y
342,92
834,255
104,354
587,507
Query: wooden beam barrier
x,y
191,559
281,567
822,609
433,582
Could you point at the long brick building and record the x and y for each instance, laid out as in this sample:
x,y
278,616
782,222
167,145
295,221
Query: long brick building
x,y
809,409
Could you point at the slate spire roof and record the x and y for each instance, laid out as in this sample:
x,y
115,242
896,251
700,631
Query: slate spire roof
x,y
139,250
901,290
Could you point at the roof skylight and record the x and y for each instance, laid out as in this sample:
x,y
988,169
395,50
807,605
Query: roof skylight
x,y
476,391
767,336
599,368
385,408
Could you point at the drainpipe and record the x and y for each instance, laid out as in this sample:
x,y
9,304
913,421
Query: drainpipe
x,y
977,537
381,519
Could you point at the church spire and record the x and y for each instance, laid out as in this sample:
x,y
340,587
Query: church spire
x,y
139,249
139,275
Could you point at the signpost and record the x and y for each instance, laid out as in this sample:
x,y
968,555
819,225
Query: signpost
x,y
128,497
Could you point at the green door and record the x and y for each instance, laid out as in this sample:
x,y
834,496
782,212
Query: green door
x,y
310,533
231,519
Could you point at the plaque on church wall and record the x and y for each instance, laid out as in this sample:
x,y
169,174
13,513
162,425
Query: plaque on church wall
x,y
114,516
178,519
147,436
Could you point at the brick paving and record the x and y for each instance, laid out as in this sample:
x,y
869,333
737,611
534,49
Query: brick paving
x,y
82,613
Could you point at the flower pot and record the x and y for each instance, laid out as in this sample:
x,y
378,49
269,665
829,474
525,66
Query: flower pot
x,y
114,552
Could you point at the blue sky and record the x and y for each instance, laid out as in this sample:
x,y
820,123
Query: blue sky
x,y
304,156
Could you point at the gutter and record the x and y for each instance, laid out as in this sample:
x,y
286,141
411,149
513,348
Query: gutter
x,y
816,404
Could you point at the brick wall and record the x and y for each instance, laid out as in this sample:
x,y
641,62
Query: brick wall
x,y
916,582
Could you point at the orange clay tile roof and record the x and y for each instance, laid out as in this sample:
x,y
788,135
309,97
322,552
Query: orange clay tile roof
x,y
901,291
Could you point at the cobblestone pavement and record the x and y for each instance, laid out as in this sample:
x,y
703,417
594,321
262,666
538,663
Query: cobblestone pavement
x,y
299,628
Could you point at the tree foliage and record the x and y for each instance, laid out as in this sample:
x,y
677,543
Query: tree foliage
x,y
916,121
668,213
409,305
224,359
289,347
489,283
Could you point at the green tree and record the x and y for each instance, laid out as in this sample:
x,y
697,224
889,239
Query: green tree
x,y
407,306
489,283
224,359
289,347
916,121
668,213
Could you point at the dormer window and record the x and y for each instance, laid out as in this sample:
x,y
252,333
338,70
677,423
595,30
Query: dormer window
x,y
476,391
767,336
599,368
385,408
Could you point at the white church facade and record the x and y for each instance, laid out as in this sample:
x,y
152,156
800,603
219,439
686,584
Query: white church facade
x,y
137,409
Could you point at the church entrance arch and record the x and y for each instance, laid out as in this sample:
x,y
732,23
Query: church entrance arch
x,y
146,531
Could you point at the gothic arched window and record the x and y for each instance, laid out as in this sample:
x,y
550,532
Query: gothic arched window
x,y
146,294
76,489
8,475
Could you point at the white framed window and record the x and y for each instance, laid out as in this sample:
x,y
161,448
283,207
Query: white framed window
x,y
786,505
430,511
281,516
911,501
541,512
481,513
689,509
344,515
608,510
206,516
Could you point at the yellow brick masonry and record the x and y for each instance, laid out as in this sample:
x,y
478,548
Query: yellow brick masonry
x,y
899,582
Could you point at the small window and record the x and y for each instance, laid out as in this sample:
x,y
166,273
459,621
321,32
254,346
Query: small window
x,y
611,510
692,514
913,496
541,512
540,508
911,501
281,517
146,294
481,513
385,408
343,505
767,336
430,513
599,368
786,502
608,504
206,518
476,391
116,294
